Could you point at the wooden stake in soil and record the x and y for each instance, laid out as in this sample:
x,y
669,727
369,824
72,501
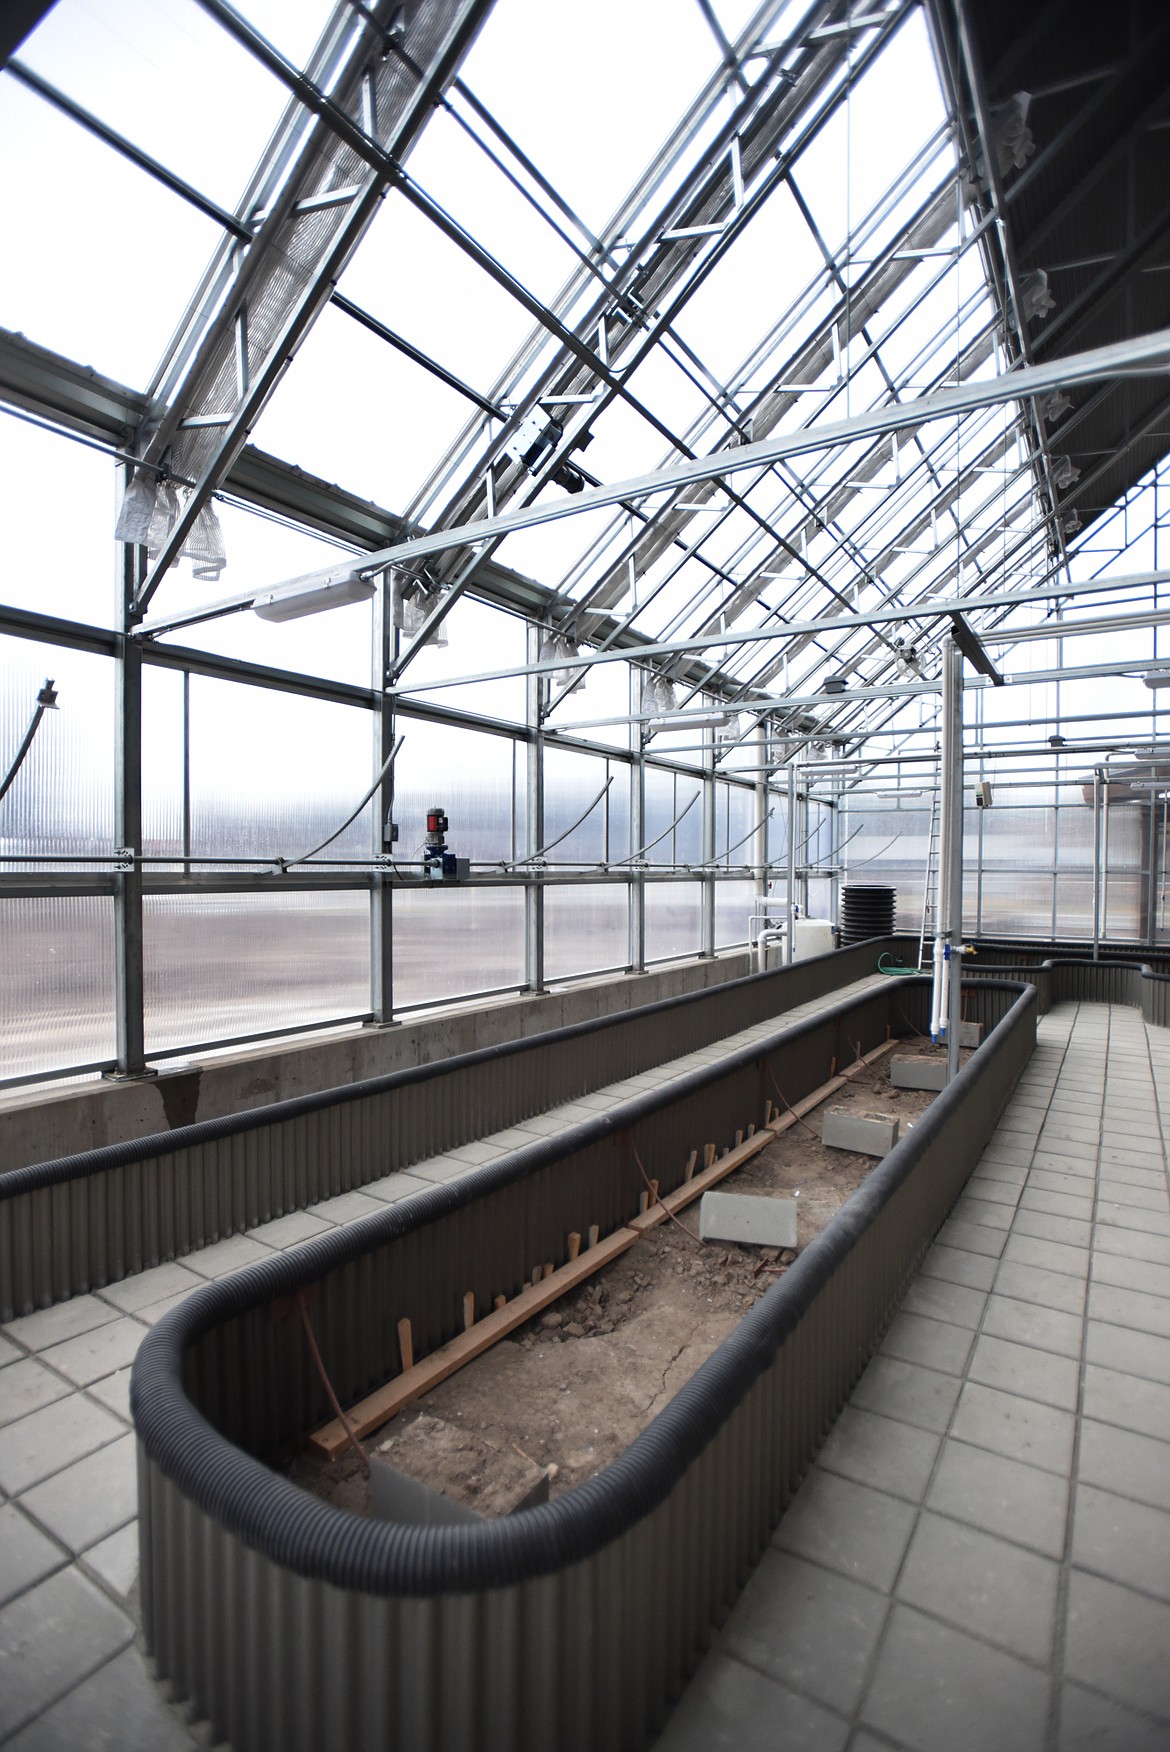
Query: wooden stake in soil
x,y
574,1244
689,1172
382,1404
500,1302
469,1311
405,1345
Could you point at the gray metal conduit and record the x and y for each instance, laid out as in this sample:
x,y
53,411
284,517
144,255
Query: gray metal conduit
x,y
80,1222
291,1624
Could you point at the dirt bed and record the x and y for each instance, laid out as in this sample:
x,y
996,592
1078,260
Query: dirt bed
x,y
572,1389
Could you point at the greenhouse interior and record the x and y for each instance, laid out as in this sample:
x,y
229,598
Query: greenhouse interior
x,y
585,619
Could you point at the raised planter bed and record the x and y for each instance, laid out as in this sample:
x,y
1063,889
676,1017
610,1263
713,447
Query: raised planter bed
x,y
292,1624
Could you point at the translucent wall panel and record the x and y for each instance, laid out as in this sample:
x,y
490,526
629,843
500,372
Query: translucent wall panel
x,y
453,942
1016,905
571,783
586,928
735,812
57,991
162,762
62,799
220,965
674,914
1013,836
673,798
272,774
1074,907
1121,906
473,777
734,903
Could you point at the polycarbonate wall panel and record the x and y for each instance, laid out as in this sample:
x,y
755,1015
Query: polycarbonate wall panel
x,y
453,942
674,914
1016,905
1074,907
220,965
586,928
273,774
62,799
735,813
472,777
572,782
1121,899
162,762
57,989
674,811
734,903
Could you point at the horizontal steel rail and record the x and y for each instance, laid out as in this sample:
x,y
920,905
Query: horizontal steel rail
x,y
291,1624
79,1222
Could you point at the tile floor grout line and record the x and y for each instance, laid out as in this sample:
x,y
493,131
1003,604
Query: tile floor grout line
x,y
858,1720
1064,1573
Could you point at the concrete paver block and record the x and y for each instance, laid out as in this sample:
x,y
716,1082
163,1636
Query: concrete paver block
x,y
50,1638
25,1387
982,1584
100,1352
759,1222
970,1034
868,1134
49,1439
120,1708
89,1499
26,1555
50,1326
918,1073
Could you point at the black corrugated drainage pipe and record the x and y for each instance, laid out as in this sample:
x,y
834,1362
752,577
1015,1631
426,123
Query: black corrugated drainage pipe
x,y
574,1625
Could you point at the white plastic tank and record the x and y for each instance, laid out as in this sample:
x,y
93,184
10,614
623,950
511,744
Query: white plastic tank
x,y
812,937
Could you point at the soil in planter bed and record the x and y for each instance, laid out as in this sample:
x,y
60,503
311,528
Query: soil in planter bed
x,y
571,1389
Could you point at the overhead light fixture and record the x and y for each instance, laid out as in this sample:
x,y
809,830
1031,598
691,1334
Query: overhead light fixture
x,y
692,721
314,595
1157,678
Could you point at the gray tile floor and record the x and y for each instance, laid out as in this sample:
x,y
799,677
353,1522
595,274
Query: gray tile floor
x,y
979,1558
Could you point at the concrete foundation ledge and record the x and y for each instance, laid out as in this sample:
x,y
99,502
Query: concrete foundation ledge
x,y
81,1222
286,1621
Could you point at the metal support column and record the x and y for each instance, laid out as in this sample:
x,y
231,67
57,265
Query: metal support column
x,y
385,650
707,855
128,983
637,885
1105,853
953,814
761,839
790,884
1096,863
534,823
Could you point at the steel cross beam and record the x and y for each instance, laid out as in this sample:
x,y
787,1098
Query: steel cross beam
x,y
310,203
670,259
1145,353
929,609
